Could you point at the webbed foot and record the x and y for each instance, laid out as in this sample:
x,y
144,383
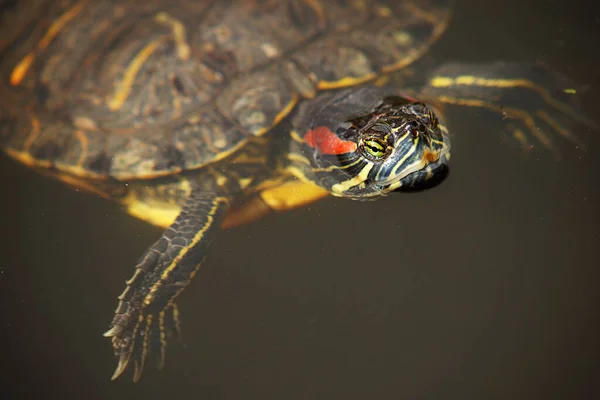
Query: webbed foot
x,y
147,315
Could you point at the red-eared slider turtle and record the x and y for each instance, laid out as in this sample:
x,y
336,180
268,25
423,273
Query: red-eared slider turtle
x,y
200,114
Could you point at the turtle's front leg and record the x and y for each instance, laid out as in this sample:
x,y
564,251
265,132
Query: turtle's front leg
x,y
146,310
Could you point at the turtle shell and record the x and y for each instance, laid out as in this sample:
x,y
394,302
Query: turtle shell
x,y
137,89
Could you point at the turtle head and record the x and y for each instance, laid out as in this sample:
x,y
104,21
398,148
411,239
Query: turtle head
x,y
398,143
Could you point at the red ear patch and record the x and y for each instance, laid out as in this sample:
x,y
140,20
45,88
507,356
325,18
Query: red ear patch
x,y
327,142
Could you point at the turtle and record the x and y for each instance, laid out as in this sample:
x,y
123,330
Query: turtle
x,y
198,116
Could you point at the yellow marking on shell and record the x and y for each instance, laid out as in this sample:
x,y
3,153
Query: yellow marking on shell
x,y
280,115
469,80
269,49
422,14
208,140
59,24
292,194
157,174
245,182
27,159
339,188
178,30
570,91
381,81
78,183
76,178
439,28
217,202
402,38
384,11
286,110
256,117
79,172
24,156
84,147
361,5
345,82
124,87
44,167
296,137
402,63
85,123
19,72
244,158
220,142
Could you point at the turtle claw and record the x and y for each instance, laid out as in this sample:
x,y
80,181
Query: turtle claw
x,y
136,337
130,343
138,368
114,331
121,366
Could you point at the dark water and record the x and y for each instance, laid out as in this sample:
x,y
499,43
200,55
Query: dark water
x,y
486,287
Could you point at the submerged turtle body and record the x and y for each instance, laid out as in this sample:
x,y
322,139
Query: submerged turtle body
x,y
199,114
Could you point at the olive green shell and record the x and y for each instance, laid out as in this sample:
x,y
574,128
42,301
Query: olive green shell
x,y
142,88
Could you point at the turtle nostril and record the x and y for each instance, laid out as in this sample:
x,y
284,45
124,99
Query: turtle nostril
x,y
415,128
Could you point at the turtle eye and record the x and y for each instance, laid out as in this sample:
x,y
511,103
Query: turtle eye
x,y
374,148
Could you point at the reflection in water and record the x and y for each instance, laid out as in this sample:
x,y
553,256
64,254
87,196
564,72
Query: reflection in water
x,y
483,285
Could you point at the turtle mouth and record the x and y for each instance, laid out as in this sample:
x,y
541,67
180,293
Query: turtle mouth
x,y
438,177
396,181
431,164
